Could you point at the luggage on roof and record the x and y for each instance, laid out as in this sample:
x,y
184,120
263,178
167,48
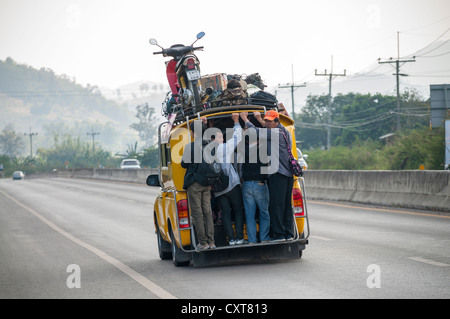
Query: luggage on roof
x,y
264,99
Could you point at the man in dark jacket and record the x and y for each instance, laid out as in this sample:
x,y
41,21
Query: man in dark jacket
x,y
281,181
254,189
199,196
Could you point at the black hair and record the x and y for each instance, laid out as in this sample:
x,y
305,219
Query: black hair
x,y
191,126
216,131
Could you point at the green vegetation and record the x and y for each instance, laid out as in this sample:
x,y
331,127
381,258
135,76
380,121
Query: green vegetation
x,y
357,117
357,123
409,151
75,154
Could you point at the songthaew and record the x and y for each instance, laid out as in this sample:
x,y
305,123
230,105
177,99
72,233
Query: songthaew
x,y
176,233
224,109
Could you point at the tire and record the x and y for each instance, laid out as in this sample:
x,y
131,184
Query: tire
x,y
164,247
179,257
300,252
197,100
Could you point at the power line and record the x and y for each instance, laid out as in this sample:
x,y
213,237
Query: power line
x,y
93,138
292,86
435,56
31,134
417,53
330,75
398,74
425,26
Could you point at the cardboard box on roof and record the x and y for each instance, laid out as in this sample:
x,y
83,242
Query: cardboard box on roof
x,y
217,81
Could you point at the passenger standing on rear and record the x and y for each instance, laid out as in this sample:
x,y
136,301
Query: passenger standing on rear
x,y
199,196
281,182
230,199
254,189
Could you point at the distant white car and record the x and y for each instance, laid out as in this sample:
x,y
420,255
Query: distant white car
x,y
18,175
302,160
130,164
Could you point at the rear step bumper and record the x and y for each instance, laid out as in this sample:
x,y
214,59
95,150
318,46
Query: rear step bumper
x,y
249,253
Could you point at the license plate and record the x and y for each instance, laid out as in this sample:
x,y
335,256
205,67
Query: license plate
x,y
193,75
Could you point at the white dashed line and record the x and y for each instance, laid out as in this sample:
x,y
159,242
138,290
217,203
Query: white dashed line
x,y
428,261
320,238
148,284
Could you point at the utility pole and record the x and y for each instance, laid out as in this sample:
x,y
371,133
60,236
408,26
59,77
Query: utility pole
x,y
330,79
397,74
292,86
93,138
31,141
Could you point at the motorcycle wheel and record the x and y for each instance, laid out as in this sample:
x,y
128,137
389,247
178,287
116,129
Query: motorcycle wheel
x,y
197,100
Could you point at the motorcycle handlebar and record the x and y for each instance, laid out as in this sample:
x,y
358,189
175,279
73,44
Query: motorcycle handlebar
x,y
169,52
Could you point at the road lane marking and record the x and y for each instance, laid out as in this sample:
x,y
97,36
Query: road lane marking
x,y
428,261
320,238
145,282
378,209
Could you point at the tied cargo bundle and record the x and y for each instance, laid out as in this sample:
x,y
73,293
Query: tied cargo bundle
x,y
217,82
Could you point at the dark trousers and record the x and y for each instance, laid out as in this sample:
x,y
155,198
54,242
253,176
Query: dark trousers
x,y
233,202
280,205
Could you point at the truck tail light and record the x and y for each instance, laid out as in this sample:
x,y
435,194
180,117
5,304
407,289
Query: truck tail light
x,y
299,210
183,213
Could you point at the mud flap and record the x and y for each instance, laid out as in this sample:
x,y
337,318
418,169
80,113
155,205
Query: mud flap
x,y
248,254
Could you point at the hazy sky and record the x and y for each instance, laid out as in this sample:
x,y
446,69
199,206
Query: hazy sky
x,y
105,42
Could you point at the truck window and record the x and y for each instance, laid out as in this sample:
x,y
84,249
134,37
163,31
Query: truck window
x,y
165,155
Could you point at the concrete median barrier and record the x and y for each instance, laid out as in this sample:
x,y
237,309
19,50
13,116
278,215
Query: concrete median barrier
x,y
410,189
112,174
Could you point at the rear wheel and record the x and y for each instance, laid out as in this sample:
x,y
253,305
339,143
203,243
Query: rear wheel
x,y
164,248
179,257
300,252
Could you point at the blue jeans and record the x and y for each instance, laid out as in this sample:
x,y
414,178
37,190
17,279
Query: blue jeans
x,y
256,194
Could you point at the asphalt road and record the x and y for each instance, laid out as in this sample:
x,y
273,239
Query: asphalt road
x,y
73,238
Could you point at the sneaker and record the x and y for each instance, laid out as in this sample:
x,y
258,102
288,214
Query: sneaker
x,y
232,242
212,246
239,241
202,247
290,239
275,240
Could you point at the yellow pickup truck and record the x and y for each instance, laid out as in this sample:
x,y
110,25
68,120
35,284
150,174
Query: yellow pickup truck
x,y
173,225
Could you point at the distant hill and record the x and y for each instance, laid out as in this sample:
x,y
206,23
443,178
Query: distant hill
x,y
140,92
55,106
